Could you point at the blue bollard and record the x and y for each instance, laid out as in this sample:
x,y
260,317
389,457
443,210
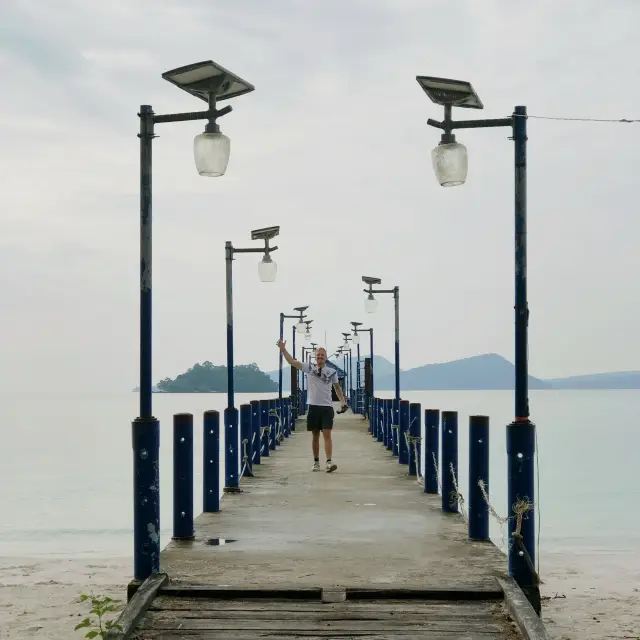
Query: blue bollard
x,y
231,448
292,417
246,446
146,492
415,432
255,430
395,421
211,462
283,416
478,470
273,423
521,443
431,450
449,461
373,418
264,425
183,477
403,433
386,422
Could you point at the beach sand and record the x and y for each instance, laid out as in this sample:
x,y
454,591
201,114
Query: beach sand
x,y
591,597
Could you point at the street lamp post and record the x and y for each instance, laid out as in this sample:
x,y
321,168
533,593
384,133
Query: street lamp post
x,y
212,83
347,347
267,270
450,166
370,331
298,316
356,340
299,327
370,306
282,317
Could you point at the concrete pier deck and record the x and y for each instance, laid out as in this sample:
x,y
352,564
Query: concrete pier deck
x,y
359,553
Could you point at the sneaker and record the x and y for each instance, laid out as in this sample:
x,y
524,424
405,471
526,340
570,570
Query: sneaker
x,y
331,466
316,466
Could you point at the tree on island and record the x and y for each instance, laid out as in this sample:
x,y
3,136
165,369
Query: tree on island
x,y
209,378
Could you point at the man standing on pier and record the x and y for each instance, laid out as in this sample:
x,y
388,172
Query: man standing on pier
x,y
320,379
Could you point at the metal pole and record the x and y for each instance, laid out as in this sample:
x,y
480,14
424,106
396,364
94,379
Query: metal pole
x,y
145,428
231,417
146,139
396,405
280,359
373,390
229,282
521,307
521,432
295,373
358,392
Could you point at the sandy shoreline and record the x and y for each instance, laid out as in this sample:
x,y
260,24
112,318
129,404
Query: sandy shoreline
x,y
590,597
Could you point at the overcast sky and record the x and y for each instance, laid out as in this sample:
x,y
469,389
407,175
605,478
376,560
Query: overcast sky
x,y
332,146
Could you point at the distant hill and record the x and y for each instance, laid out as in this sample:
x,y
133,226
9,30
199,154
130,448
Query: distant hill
x,y
209,378
613,380
488,371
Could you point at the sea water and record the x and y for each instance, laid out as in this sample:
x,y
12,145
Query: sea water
x,y
66,466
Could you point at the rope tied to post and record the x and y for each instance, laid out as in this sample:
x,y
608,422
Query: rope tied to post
x,y
520,508
435,466
455,495
245,458
412,442
279,431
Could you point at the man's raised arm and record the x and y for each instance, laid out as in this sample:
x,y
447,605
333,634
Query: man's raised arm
x,y
287,356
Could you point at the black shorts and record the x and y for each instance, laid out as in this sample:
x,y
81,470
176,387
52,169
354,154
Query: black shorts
x,y
319,418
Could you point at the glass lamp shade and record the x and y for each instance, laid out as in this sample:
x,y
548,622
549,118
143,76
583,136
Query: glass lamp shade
x,y
267,269
356,339
211,153
307,336
370,304
301,327
450,164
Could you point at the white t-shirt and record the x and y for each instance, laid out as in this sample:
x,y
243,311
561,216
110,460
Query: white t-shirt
x,y
319,384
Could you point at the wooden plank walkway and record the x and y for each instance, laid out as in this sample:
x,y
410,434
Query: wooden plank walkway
x,y
359,553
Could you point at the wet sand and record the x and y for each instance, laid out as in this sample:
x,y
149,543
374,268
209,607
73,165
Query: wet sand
x,y
591,596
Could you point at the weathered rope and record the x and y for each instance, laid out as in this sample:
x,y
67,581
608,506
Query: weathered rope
x,y
245,459
456,495
435,466
413,442
520,508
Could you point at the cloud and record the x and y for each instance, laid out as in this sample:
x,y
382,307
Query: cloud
x,y
333,146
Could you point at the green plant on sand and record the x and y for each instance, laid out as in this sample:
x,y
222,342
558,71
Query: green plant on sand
x,y
98,627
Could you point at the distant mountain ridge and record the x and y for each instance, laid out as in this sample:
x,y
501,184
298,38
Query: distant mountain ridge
x,y
489,371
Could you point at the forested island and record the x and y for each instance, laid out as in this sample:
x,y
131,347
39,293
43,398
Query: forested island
x,y
209,378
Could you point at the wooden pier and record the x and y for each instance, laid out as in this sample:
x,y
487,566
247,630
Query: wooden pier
x,y
359,553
